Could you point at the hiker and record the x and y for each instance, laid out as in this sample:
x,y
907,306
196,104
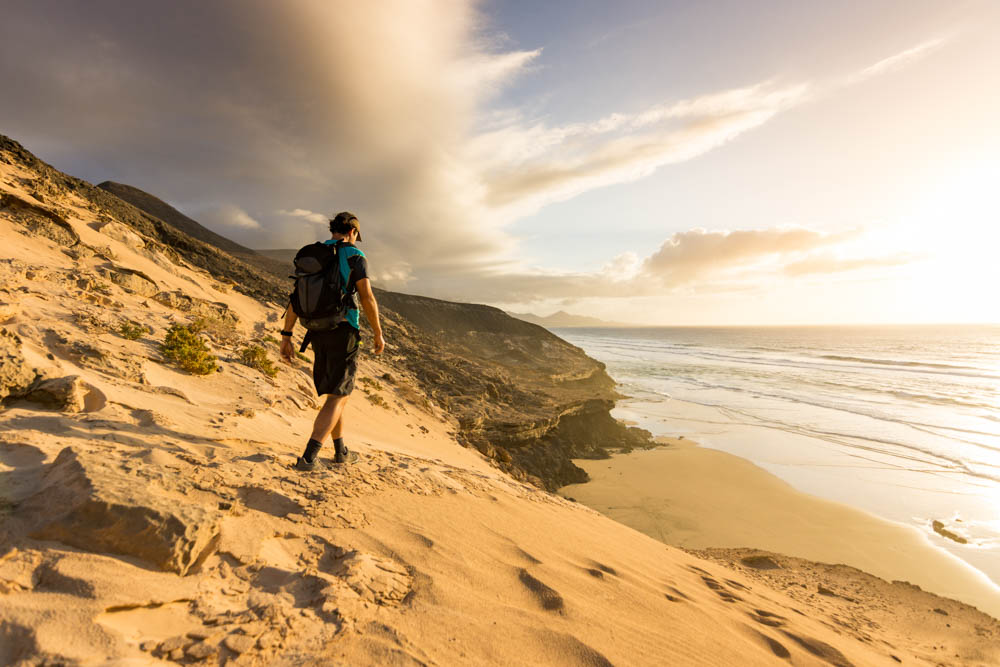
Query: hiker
x,y
327,276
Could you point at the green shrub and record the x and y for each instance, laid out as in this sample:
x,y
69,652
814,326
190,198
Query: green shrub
x,y
369,382
131,330
184,347
271,339
255,356
301,356
375,399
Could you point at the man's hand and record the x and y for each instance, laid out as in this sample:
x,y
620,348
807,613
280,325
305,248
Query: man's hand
x,y
287,349
379,343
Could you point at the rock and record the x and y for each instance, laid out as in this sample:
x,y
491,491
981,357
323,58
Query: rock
x,y
16,377
8,311
134,282
173,643
39,220
123,234
176,655
188,304
375,579
89,502
268,639
239,643
70,394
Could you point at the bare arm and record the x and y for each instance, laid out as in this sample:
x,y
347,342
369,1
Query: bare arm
x,y
368,305
286,341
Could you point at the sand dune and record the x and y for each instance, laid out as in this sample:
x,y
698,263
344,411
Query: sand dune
x,y
152,515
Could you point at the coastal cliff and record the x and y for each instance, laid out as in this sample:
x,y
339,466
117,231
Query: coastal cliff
x,y
522,396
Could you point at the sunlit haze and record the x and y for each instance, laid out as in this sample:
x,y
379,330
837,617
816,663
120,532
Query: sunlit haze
x,y
655,163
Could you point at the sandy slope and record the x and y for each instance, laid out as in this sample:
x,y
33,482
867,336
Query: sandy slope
x,y
421,553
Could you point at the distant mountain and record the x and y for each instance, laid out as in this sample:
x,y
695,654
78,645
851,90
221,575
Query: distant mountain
x,y
160,209
564,319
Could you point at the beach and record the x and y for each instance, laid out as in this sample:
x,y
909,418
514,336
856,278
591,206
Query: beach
x,y
697,498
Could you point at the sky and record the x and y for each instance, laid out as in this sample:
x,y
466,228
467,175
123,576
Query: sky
x,y
656,163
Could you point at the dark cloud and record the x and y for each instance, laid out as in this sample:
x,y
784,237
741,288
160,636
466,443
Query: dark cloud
x,y
265,107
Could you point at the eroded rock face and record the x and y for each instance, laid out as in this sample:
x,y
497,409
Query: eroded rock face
x,y
189,304
123,234
90,503
38,220
16,377
69,394
135,282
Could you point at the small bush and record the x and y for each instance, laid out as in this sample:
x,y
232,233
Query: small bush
x,y
271,339
369,382
255,356
131,330
301,356
184,347
375,399
101,288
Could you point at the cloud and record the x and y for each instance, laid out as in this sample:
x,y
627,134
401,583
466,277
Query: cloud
x,y
826,263
527,166
699,259
686,256
311,216
382,108
897,61
227,218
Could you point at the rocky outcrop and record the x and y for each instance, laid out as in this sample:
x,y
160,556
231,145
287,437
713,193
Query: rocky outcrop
x,y
16,377
195,306
69,394
39,220
523,396
88,502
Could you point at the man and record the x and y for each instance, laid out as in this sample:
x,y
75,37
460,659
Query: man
x,y
336,350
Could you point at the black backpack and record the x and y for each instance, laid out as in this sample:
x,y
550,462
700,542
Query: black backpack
x,y
320,295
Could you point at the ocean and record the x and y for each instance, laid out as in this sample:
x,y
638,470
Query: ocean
x,y
900,421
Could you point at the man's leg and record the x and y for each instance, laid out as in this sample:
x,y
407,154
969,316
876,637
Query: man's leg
x,y
338,428
329,417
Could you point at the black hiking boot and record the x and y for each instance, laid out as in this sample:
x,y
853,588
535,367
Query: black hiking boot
x,y
306,466
343,455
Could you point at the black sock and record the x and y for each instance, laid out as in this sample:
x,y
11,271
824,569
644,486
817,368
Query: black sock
x,y
338,443
312,449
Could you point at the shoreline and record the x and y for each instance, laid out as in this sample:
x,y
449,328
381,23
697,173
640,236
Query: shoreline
x,y
697,498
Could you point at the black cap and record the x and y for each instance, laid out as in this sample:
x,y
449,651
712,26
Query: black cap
x,y
343,222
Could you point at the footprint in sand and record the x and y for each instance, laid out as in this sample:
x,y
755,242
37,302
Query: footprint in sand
x,y
548,597
720,590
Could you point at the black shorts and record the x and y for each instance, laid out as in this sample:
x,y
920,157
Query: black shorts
x,y
336,359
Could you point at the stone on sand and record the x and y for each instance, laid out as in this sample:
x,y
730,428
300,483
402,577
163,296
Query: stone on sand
x,y
68,394
87,501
